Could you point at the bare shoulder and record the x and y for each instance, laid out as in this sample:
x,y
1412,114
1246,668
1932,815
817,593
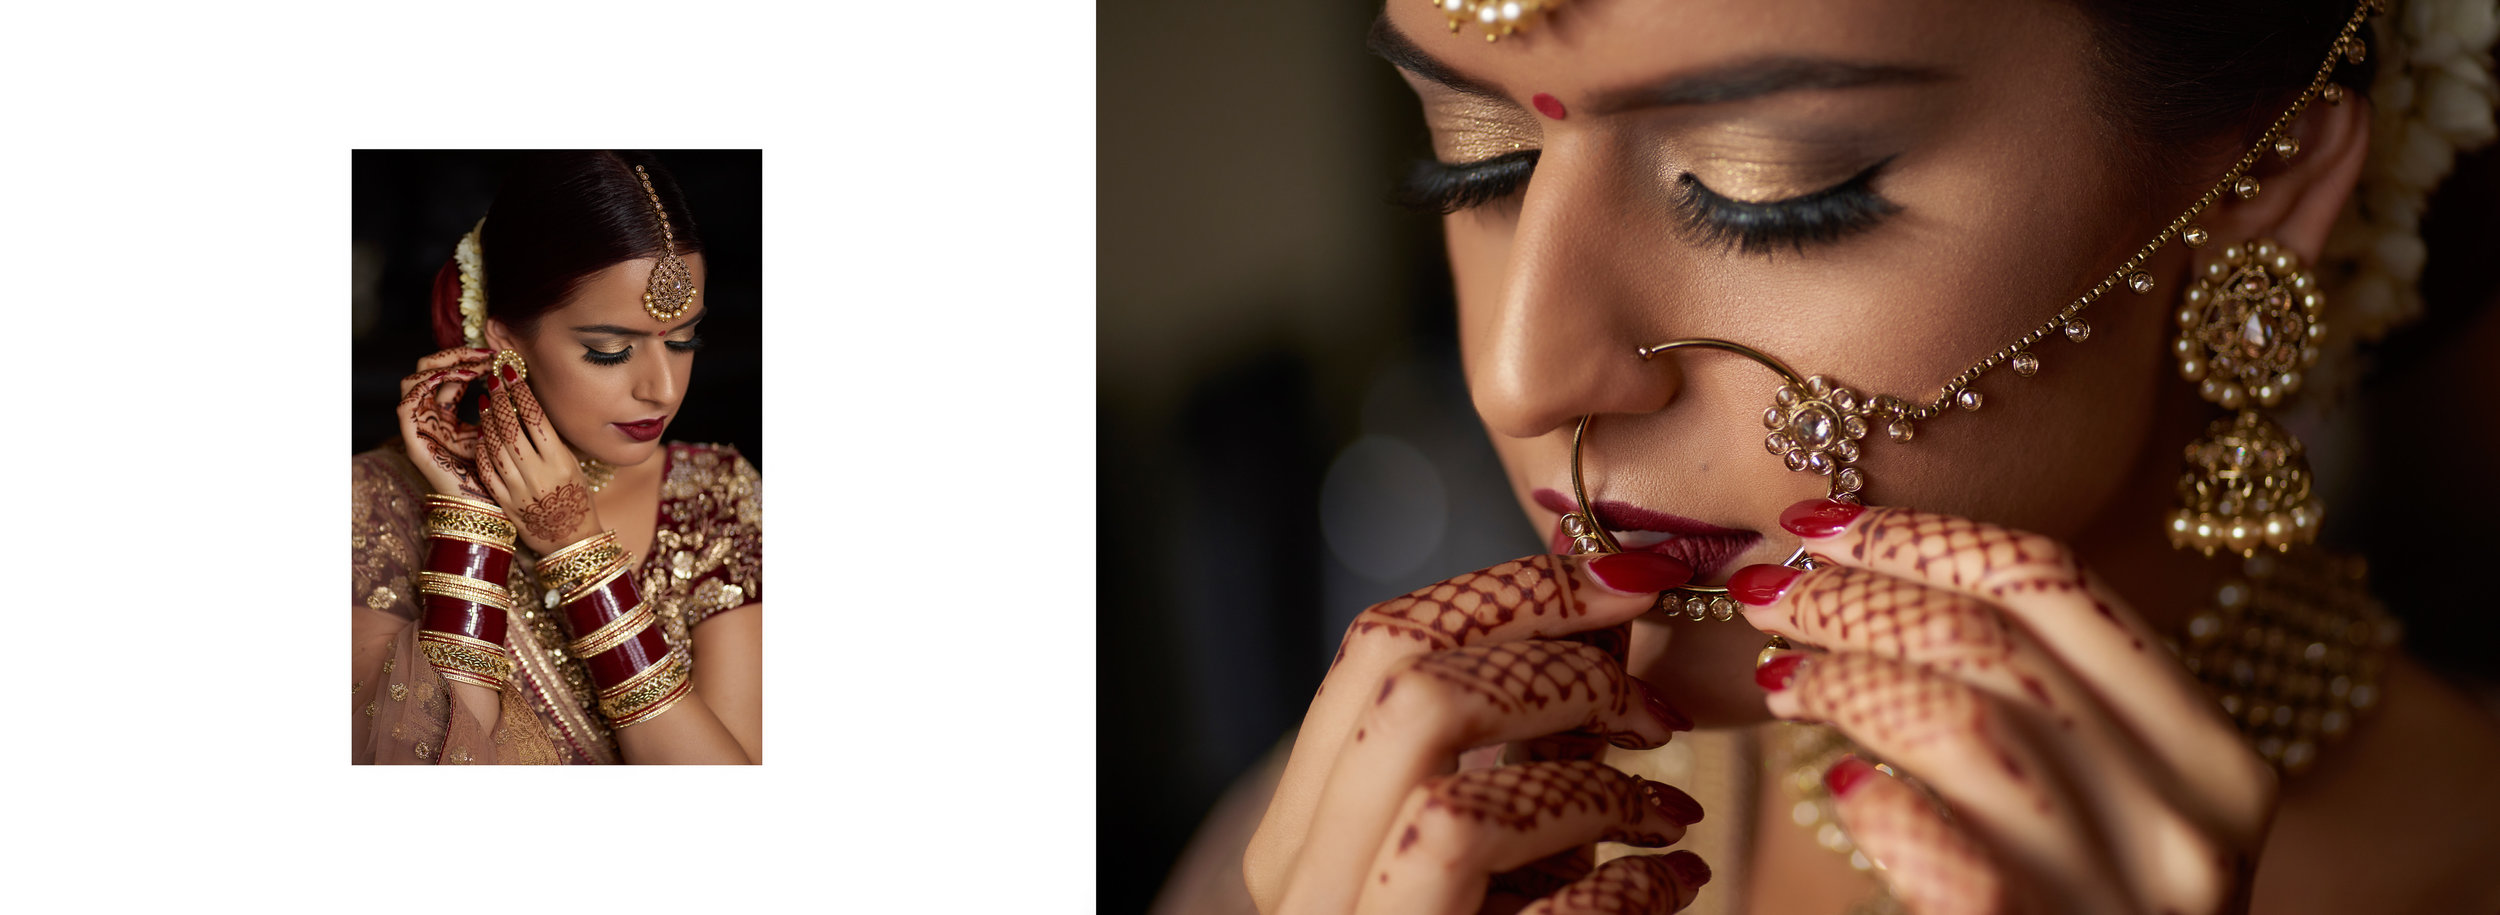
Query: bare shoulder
x,y
2401,818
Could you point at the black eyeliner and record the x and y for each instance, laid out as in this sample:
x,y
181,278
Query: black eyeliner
x,y
1822,216
1441,187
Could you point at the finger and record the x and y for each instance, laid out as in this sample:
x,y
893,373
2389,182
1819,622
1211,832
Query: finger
x,y
1455,831
495,417
1432,706
2040,584
516,484
1931,865
1850,609
1962,743
415,389
493,478
534,424
1536,597
1632,883
458,355
461,357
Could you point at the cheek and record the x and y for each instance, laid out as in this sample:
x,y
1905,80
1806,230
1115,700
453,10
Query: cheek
x,y
1479,250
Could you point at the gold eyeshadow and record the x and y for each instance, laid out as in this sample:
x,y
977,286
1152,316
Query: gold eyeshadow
x,y
1472,128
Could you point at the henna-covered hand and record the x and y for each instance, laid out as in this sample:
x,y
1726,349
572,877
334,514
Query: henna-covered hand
x,y
443,448
528,469
1369,814
2074,765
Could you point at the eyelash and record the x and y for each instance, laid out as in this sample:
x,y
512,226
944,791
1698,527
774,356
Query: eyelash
x,y
1822,216
597,357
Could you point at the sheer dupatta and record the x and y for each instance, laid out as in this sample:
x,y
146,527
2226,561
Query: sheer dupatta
x,y
404,712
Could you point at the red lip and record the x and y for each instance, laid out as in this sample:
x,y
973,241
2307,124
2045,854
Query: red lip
x,y
1702,545
644,430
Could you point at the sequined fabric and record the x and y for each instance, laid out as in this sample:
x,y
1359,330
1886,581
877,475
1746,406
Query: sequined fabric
x,y
706,556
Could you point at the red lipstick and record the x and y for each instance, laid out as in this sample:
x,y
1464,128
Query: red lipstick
x,y
1699,544
644,430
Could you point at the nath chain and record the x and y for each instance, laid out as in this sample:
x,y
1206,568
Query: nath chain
x,y
2234,181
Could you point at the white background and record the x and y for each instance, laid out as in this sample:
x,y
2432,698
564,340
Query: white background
x,y
174,283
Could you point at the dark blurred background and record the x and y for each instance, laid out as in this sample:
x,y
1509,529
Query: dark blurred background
x,y
1285,436
412,206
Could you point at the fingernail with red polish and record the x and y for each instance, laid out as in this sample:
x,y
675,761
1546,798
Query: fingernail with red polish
x,y
1759,585
1689,868
510,376
1658,708
1671,801
1774,676
1846,775
1818,517
1639,573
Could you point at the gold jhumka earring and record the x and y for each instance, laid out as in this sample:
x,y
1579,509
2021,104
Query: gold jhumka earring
x,y
671,289
2248,327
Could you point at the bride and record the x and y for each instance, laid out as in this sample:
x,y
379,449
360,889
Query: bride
x,y
555,583
1971,637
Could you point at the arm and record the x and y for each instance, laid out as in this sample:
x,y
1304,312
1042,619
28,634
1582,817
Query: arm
x,y
726,723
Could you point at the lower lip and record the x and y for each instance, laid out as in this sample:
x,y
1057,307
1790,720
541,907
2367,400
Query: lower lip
x,y
642,431
1705,547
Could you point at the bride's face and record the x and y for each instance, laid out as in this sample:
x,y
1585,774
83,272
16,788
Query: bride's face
x,y
1883,193
604,368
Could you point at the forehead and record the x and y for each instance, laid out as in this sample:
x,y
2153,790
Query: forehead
x,y
1595,45
614,296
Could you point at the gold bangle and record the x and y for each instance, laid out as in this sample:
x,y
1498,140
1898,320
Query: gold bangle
x,y
468,660
618,631
462,587
558,574
566,551
492,530
443,500
591,584
640,680
649,698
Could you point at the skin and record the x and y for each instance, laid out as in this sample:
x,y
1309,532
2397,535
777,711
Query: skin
x,y
525,456
2001,642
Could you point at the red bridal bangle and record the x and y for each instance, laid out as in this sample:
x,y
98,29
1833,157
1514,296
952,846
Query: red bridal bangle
x,y
466,606
617,637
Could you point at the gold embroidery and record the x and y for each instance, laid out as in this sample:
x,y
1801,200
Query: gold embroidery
x,y
423,751
399,692
372,707
710,510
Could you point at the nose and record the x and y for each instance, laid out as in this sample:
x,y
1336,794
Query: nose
x,y
661,381
1575,299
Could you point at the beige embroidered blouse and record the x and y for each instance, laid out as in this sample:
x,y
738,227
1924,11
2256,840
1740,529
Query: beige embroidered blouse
x,y
706,556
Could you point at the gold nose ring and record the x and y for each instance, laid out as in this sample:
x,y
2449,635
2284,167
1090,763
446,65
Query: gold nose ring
x,y
1696,601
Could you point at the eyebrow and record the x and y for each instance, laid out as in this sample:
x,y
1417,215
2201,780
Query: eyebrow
x,y
1732,83
615,330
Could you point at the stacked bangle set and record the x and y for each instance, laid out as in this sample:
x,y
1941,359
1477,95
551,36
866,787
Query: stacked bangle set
x,y
468,553
615,634
617,637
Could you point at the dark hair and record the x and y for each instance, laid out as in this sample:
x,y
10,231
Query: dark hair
x,y
2184,81
560,217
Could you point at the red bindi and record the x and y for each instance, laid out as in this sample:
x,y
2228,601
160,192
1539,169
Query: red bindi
x,y
1548,106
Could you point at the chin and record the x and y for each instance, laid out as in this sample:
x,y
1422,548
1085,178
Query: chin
x,y
1707,665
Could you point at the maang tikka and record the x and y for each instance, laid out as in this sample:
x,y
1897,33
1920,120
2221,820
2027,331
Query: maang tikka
x,y
2249,327
671,289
